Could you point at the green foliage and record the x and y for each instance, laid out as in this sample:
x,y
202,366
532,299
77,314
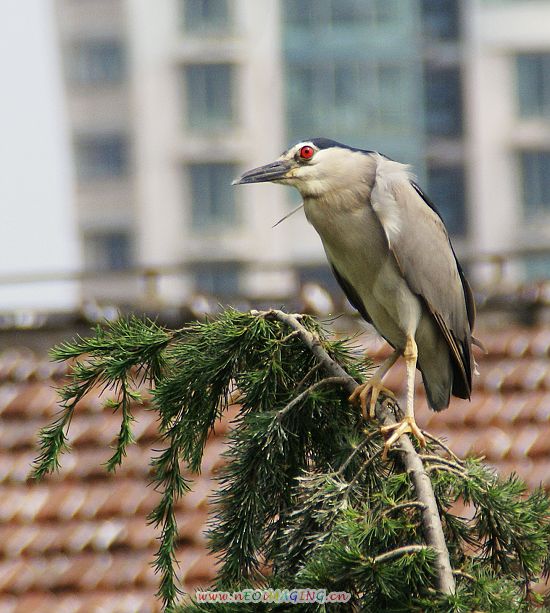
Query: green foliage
x,y
305,499
122,355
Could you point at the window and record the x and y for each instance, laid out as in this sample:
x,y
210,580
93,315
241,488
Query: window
x,y
447,191
351,96
533,70
96,62
386,11
206,16
340,13
217,278
535,179
441,19
213,202
300,12
108,250
209,90
102,156
391,110
443,94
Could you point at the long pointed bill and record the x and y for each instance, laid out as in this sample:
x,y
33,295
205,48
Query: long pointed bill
x,y
269,172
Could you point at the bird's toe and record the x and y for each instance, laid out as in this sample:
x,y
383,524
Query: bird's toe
x,y
394,432
362,392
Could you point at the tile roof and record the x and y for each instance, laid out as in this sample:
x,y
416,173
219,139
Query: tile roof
x,y
508,418
79,541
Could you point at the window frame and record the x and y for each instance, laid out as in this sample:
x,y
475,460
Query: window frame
x,y
79,56
533,211
100,259
540,103
204,28
210,218
198,118
105,170
365,105
456,222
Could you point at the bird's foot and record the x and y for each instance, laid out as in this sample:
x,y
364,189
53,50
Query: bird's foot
x,y
361,393
406,425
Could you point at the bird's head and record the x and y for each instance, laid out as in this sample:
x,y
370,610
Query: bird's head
x,y
314,167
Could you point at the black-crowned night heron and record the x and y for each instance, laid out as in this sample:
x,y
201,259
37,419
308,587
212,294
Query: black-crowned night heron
x,y
391,254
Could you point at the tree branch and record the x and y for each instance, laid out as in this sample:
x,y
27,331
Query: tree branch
x,y
431,522
397,553
411,504
308,391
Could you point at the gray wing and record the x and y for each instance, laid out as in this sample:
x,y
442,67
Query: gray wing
x,y
468,294
351,294
420,243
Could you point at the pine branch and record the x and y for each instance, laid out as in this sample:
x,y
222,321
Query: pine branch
x,y
304,497
431,522
121,356
300,397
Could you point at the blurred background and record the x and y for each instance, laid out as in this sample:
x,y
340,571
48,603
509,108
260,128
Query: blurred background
x,y
123,123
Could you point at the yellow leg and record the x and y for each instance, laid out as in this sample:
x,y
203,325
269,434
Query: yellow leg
x,y
373,387
408,423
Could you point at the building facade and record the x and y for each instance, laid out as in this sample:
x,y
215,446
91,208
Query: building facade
x,y
169,101
508,90
382,75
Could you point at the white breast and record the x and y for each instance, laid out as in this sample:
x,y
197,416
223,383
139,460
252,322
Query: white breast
x,y
356,246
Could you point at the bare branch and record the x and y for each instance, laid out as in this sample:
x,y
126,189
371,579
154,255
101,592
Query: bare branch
x,y
312,371
431,522
397,553
461,573
436,459
305,393
447,468
415,504
439,442
357,449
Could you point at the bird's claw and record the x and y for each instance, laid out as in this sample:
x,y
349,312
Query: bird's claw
x,y
362,392
406,425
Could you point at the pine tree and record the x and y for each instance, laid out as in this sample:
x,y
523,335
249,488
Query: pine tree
x,y
305,499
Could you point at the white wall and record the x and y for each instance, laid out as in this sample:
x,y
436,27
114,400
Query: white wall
x,y
496,32
38,229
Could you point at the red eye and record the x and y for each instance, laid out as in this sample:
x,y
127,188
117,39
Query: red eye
x,y
306,153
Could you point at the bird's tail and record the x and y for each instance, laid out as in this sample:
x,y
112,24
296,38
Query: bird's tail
x,y
438,389
438,374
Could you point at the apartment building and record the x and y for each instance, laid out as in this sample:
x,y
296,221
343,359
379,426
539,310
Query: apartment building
x,y
207,92
384,75
508,101
170,100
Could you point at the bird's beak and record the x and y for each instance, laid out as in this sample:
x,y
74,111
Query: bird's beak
x,y
270,172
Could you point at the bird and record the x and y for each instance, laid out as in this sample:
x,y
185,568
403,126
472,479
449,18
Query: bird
x,y
392,256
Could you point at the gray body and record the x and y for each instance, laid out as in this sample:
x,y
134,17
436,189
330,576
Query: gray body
x,y
391,254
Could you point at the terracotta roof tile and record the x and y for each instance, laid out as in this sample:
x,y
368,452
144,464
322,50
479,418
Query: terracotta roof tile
x,y
541,446
79,541
99,602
